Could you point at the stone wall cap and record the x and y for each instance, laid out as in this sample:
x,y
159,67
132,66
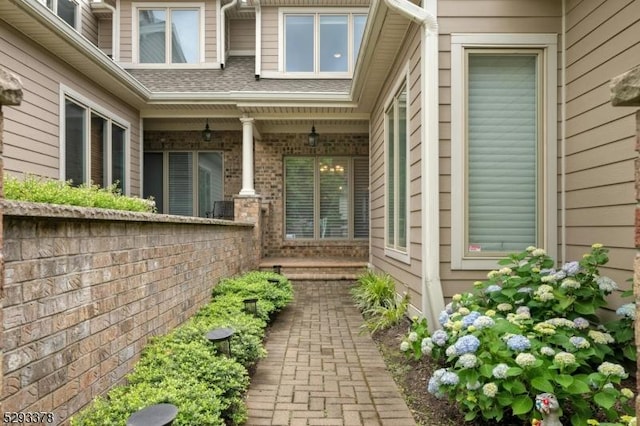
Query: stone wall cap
x,y
625,88
10,88
23,208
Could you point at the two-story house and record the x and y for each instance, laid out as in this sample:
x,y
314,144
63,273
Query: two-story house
x,y
429,138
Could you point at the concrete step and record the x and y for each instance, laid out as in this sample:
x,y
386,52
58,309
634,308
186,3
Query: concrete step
x,y
316,269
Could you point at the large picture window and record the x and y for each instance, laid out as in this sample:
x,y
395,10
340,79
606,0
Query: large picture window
x,y
326,198
503,147
185,183
396,159
169,35
321,43
94,146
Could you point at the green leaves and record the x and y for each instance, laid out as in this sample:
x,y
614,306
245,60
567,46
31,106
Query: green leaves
x,y
522,404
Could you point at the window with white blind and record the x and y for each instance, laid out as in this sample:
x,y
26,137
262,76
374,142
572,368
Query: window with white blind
x,y
326,198
503,147
396,162
185,183
94,144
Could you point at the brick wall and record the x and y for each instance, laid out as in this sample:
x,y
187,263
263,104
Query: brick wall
x,y
84,290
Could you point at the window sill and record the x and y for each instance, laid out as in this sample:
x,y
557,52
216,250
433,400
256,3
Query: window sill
x,y
398,255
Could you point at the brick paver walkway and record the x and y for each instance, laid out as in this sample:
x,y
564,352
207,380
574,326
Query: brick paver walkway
x,y
320,370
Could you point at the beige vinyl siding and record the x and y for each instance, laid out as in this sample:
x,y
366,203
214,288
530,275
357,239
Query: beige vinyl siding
x,y
476,16
89,22
242,35
602,42
105,36
407,276
269,45
31,130
127,21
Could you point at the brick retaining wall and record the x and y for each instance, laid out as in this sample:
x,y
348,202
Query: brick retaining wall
x,y
85,289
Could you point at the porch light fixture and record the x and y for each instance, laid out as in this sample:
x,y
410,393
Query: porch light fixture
x,y
207,133
313,136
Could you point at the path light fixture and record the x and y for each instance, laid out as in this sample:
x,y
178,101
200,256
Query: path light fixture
x,y
221,337
273,281
313,136
154,415
207,134
251,305
277,268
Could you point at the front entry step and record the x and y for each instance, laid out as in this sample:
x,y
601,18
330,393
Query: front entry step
x,y
315,268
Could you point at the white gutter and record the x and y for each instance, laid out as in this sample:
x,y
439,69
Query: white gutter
x,y
223,31
432,297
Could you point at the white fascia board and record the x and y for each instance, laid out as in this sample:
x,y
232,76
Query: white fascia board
x,y
275,98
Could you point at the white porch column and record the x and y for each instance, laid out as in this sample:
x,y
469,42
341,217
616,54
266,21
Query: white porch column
x,y
247,157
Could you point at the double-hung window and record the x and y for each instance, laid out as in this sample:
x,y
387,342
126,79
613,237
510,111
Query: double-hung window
x,y
326,198
503,146
169,35
325,44
185,183
396,142
67,10
94,144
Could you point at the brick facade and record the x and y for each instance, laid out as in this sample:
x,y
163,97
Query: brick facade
x,y
85,289
269,180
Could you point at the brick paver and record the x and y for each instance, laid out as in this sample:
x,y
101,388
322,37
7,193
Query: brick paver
x,y
320,369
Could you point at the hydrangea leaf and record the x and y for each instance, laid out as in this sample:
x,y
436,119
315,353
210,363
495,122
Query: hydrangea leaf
x,y
522,404
542,384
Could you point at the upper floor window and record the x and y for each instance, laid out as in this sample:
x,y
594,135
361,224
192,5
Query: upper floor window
x,y
65,9
94,144
169,35
321,43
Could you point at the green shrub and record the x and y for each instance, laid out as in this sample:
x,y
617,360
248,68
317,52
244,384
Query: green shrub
x,y
375,295
41,190
528,329
197,403
256,284
167,359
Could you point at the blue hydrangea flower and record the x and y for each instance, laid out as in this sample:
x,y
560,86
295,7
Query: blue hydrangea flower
x,y
468,319
443,318
492,288
518,343
571,268
606,284
466,344
440,337
579,342
580,323
483,321
449,378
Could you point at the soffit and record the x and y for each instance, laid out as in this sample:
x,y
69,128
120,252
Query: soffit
x,y
308,3
264,125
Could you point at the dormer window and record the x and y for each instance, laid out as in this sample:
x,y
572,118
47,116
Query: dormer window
x,y
67,10
169,35
321,44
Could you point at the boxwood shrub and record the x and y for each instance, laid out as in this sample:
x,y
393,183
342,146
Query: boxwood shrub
x,y
185,369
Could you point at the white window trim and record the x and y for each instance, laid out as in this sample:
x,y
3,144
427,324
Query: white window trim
x,y
316,40
135,48
548,179
54,9
402,79
91,106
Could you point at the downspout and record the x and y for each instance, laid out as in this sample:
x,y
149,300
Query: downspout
x,y
432,296
223,31
563,138
258,39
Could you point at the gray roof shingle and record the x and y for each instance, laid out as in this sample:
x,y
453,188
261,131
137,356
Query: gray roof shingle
x,y
238,76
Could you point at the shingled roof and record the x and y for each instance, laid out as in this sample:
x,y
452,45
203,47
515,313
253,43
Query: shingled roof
x,y
238,76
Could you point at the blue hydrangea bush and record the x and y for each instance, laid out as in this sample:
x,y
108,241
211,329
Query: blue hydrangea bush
x,y
531,328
